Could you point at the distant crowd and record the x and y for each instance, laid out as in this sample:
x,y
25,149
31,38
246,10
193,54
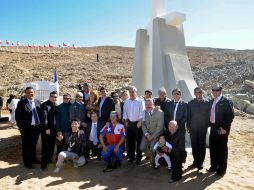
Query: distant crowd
x,y
124,126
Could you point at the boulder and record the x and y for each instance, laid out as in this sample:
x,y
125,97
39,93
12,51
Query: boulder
x,y
250,109
249,83
242,96
243,104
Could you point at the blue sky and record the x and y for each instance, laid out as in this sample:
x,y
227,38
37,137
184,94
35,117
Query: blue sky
x,y
210,23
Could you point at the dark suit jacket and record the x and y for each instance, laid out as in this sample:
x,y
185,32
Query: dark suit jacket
x,y
181,114
78,111
224,113
49,111
107,107
23,113
87,129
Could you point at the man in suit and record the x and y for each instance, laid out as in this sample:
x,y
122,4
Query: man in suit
x,y
93,132
197,124
176,110
221,117
28,118
78,109
48,132
152,126
106,105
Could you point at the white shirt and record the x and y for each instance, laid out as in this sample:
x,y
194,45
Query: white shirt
x,y
101,103
216,101
91,132
176,107
134,110
118,110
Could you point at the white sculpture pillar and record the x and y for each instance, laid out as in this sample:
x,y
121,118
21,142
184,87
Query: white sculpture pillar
x,y
160,55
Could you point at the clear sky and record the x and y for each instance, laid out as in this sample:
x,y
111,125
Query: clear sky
x,y
210,23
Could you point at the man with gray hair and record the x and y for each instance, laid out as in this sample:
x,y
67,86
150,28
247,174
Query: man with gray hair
x,y
133,114
162,99
152,126
78,109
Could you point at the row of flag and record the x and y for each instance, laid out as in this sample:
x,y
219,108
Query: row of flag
x,y
50,45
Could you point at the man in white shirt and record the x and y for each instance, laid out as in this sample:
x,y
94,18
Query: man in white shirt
x,y
133,115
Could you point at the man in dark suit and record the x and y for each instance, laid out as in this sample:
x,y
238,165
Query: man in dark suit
x,y
176,110
28,118
221,117
48,132
92,132
106,105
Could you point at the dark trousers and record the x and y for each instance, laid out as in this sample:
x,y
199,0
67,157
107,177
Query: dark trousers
x,y
218,150
47,147
177,158
198,144
134,136
94,148
29,138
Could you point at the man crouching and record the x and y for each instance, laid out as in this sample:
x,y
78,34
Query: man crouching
x,y
114,134
73,148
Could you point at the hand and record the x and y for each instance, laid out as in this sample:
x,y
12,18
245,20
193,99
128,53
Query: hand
x,y
165,149
104,148
48,131
59,133
149,137
116,149
222,131
59,137
139,124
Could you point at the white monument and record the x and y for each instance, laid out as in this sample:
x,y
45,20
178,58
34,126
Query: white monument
x,y
160,55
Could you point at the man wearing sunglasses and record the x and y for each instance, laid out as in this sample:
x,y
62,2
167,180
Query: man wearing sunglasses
x,y
48,133
197,124
221,117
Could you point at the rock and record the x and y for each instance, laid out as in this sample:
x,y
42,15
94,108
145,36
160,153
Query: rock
x,y
249,83
250,109
243,104
234,100
242,96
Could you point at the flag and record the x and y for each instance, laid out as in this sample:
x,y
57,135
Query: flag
x,y
50,45
7,42
18,43
45,45
73,46
56,84
39,45
0,41
12,43
29,45
65,45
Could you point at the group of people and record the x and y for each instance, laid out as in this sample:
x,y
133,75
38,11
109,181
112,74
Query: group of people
x,y
104,126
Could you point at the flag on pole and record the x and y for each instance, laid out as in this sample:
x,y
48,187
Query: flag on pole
x,y
65,45
18,43
73,46
7,42
56,82
50,45
45,46
0,41
29,45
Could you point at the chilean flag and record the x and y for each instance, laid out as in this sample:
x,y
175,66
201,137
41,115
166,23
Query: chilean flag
x,y
65,45
29,45
56,84
18,43
45,46
39,45
0,41
7,42
50,45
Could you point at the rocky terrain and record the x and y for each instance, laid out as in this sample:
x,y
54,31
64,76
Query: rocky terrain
x,y
230,68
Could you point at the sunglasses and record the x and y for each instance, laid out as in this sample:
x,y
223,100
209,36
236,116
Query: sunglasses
x,y
53,96
215,90
176,94
66,98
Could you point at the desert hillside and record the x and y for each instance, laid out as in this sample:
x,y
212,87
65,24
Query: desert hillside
x,y
115,67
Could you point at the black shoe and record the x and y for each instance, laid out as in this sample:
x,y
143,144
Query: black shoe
x,y
28,166
221,174
108,169
211,169
192,166
138,162
130,160
98,157
173,180
43,167
36,162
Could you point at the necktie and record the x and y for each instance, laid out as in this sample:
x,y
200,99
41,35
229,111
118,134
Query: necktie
x,y
35,115
212,114
176,106
95,139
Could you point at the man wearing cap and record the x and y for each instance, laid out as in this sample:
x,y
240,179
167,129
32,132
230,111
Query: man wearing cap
x,y
221,117
78,109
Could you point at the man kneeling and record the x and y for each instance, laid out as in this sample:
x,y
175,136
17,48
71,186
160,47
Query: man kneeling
x,y
114,135
73,148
